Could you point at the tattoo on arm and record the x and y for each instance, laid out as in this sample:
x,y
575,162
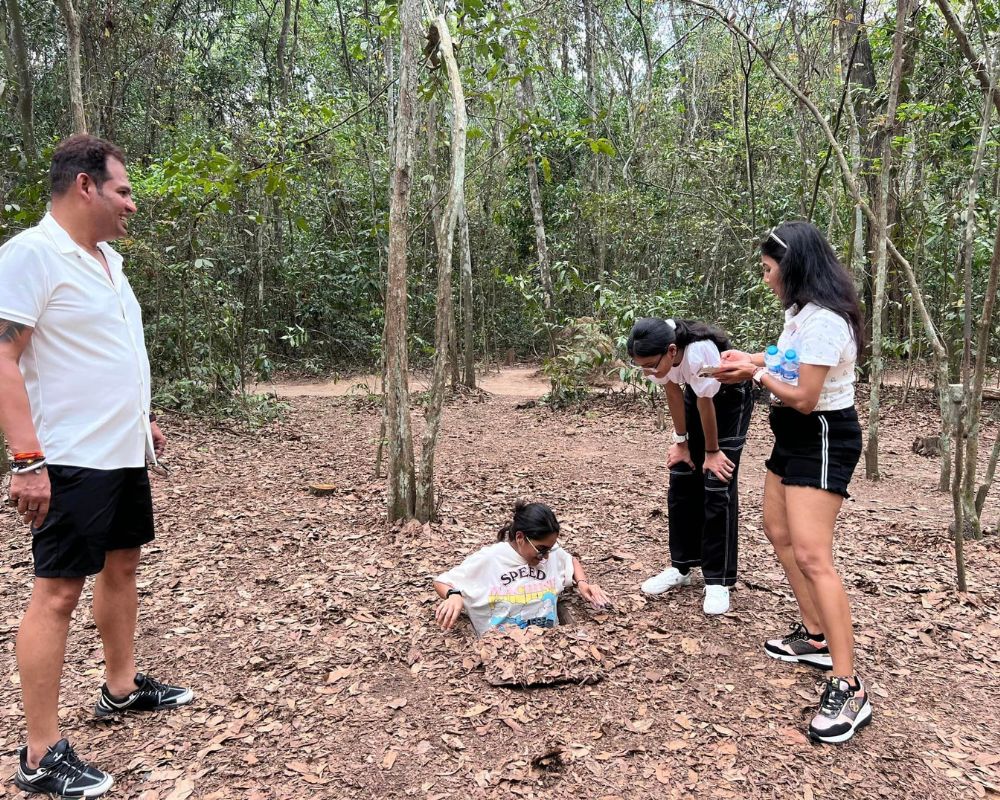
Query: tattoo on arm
x,y
9,331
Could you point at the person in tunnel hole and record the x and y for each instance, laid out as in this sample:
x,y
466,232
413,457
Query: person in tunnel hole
x,y
518,579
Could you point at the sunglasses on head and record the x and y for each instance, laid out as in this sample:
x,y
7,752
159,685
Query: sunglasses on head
x,y
772,235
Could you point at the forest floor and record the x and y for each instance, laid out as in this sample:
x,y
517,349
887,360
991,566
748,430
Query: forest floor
x,y
305,626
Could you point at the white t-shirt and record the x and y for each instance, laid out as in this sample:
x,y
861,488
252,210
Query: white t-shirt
x,y
500,588
700,354
85,367
823,338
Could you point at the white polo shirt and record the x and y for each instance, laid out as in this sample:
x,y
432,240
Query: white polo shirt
x,y
85,366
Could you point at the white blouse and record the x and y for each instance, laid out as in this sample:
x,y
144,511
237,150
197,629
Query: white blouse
x,y
823,338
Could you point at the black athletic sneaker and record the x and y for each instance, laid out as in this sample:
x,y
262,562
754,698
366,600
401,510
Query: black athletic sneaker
x,y
150,696
798,647
61,773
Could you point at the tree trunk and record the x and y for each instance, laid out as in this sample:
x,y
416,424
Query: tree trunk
x,y
859,63
525,100
281,60
25,96
954,421
425,501
881,265
973,381
465,255
74,71
401,492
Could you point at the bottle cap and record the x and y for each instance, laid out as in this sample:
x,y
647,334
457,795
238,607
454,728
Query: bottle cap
x,y
791,354
772,350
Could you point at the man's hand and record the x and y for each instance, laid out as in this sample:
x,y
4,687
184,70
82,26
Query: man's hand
x,y
679,454
720,464
593,594
159,440
449,611
31,492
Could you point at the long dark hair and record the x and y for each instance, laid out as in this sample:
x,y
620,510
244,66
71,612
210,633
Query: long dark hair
x,y
651,336
812,273
534,520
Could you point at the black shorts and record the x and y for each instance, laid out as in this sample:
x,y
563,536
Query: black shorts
x,y
92,511
819,449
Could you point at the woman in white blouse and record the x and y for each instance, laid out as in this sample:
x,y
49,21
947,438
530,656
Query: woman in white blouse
x,y
817,445
710,428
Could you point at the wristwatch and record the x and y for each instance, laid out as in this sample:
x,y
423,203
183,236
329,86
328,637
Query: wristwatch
x,y
450,592
758,376
679,438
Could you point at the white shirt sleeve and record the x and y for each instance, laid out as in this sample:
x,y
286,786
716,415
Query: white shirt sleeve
x,y
824,339
565,567
466,575
698,355
23,292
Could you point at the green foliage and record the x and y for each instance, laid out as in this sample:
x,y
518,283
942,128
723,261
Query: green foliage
x,y
261,238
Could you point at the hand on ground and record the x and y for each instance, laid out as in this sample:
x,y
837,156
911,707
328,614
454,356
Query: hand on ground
x,y
449,611
593,594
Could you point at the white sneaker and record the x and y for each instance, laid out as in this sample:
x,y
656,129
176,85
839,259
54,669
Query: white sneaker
x,y
716,599
668,579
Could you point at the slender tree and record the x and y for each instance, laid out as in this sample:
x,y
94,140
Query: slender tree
x,y
22,71
74,71
401,494
445,233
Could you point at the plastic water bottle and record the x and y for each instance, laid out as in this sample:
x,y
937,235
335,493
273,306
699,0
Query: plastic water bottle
x,y
772,360
790,367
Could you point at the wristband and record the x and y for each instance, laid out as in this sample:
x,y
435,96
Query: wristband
x,y
152,417
22,468
450,592
716,450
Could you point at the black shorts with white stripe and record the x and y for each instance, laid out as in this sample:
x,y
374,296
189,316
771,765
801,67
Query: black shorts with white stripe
x,y
820,449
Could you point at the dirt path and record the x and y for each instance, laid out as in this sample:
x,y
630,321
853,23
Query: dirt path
x,y
306,627
509,382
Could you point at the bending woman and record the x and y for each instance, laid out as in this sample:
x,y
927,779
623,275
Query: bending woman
x,y
817,444
517,580
710,428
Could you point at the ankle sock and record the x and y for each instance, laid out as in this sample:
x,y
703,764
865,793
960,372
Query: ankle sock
x,y
816,637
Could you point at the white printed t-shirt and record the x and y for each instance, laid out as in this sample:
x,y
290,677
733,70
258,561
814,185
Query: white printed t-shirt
x,y
699,354
500,588
85,367
823,338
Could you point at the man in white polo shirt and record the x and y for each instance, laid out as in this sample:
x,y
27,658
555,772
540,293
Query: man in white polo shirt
x,y
74,406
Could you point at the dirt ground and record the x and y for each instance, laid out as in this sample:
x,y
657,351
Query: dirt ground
x,y
520,381
306,626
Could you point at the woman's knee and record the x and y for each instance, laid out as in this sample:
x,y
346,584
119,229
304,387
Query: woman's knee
x,y
777,533
813,562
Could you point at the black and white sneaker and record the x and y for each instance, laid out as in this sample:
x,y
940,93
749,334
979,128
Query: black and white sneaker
x,y
149,696
62,773
800,647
